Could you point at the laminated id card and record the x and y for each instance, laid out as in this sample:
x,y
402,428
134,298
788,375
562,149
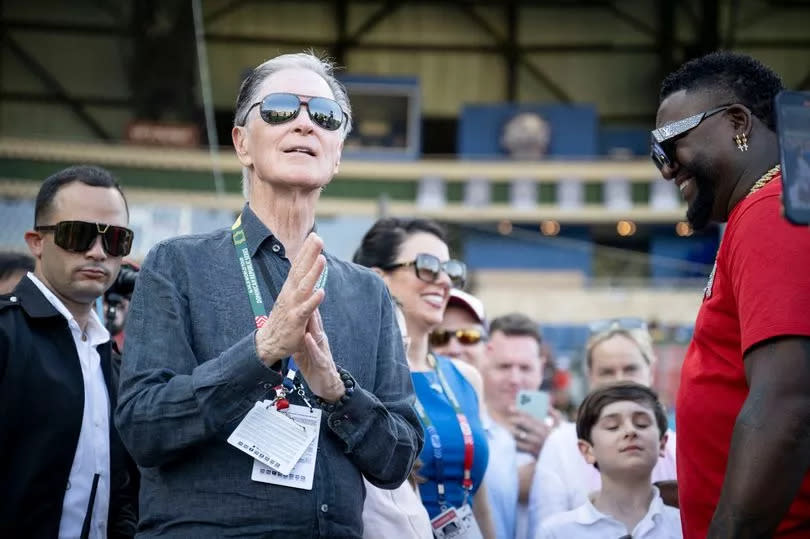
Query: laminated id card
x,y
456,523
272,438
302,473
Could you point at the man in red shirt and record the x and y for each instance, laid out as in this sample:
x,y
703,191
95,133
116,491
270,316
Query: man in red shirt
x,y
743,408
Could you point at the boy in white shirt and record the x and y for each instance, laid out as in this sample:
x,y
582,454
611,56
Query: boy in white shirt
x,y
622,432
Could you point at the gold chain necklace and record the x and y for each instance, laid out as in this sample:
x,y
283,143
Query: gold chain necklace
x,y
764,179
759,184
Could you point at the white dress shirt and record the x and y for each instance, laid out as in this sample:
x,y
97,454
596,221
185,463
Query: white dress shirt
x,y
587,522
93,449
563,478
501,478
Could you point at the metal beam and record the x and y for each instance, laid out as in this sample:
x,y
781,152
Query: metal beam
x,y
512,52
709,36
384,11
341,31
54,85
591,48
631,20
503,46
667,22
111,10
733,24
115,30
53,98
689,11
230,7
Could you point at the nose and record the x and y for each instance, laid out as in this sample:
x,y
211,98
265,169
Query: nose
x,y
454,348
670,171
444,280
96,250
303,123
630,429
514,375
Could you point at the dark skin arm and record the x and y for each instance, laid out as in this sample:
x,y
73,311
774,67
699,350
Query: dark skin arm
x,y
770,446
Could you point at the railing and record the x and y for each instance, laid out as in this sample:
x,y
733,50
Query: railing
x,y
368,181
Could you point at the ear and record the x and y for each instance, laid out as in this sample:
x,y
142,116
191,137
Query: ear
x,y
34,241
662,449
239,137
741,119
382,274
586,449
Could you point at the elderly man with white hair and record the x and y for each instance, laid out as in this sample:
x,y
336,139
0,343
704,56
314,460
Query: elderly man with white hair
x,y
263,379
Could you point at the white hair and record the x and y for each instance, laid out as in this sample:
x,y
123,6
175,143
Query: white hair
x,y
248,92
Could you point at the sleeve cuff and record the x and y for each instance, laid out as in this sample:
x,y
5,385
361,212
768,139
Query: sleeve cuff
x,y
352,419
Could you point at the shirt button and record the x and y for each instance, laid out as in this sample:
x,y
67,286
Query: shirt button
x,y
13,299
276,248
324,508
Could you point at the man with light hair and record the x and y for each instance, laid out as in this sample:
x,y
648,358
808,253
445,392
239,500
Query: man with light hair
x,y
245,343
305,60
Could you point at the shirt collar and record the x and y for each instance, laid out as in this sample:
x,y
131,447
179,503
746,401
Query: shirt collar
x,y
256,231
587,514
95,331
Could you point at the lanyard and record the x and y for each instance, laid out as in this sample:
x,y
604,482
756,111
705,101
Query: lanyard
x,y
260,311
436,442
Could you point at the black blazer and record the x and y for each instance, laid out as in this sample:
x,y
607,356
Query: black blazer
x,y
41,404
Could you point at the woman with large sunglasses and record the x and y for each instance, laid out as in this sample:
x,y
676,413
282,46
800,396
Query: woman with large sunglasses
x,y
413,259
263,378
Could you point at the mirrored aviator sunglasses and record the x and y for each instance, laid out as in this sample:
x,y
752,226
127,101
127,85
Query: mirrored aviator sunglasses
x,y
279,108
467,337
79,236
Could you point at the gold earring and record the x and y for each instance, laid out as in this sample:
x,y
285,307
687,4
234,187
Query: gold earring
x,y
742,142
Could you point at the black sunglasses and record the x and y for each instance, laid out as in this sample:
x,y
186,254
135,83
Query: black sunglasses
x,y
467,337
280,108
79,236
428,268
662,143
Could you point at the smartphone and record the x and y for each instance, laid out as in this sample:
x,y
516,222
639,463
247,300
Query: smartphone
x,y
534,402
793,129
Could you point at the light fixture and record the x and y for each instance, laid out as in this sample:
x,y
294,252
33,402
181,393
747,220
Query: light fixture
x,y
505,227
626,228
550,228
683,229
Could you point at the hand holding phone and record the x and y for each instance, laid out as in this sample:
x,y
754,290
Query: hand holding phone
x,y
793,129
534,402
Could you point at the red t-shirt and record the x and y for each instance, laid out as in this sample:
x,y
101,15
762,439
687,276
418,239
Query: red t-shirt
x,y
760,289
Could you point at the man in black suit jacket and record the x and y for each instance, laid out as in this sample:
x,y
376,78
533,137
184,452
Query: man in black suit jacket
x,y
63,469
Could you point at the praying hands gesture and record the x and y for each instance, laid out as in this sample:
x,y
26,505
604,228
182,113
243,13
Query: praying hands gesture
x,y
294,326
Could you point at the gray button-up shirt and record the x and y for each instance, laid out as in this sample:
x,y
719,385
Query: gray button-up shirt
x,y
190,373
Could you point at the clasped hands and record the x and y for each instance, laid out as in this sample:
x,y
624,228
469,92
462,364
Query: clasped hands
x,y
294,326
